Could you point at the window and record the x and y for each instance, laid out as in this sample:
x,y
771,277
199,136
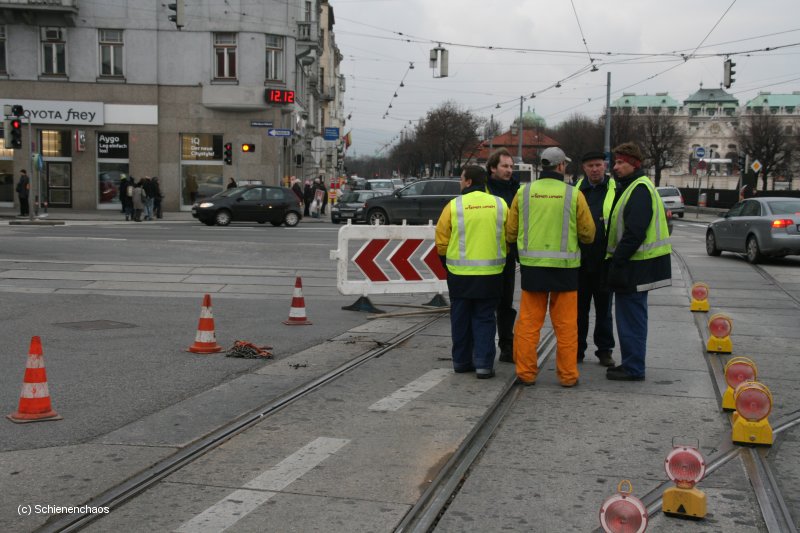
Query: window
x,y
54,51
308,12
274,55
110,52
225,55
3,68
751,209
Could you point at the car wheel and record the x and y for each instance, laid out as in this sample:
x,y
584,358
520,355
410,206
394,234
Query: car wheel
x,y
711,244
223,217
291,219
753,252
680,215
378,216
275,223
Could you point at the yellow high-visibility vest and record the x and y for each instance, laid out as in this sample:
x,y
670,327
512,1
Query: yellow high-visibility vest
x,y
547,235
477,245
608,201
656,240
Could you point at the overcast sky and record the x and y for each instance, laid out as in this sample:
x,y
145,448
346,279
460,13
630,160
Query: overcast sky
x,y
638,42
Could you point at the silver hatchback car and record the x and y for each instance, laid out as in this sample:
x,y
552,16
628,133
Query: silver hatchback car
x,y
757,227
672,198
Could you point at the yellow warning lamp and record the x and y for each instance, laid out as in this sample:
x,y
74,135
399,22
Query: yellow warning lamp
x,y
699,297
686,467
719,329
753,405
737,371
623,512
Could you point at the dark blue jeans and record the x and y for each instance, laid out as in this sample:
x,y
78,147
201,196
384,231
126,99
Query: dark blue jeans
x,y
631,315
590,288
473,327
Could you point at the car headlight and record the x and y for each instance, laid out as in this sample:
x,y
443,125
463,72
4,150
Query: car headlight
x,y
206,204
335,208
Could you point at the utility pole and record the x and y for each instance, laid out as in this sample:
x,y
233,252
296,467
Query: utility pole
x,y
520,129
491,132
607,134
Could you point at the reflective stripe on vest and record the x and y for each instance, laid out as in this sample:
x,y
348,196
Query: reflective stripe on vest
x,y
656,242
457,260
608,201
568,254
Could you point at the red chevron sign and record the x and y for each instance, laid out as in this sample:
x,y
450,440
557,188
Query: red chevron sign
x,y
399,258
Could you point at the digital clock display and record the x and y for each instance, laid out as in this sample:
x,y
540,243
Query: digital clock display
x,y
279,96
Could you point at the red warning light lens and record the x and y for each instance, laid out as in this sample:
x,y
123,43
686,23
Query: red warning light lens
x,y
737,373
753,401
623,516
685,466
719,326
700,292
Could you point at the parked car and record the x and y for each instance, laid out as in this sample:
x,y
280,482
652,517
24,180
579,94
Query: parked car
x,y
397,183
351,206
381,186
673,199
416,203
251,203
757,227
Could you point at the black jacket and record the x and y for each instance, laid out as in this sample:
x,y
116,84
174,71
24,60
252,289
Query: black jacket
x,y
629,276
593,255
506,190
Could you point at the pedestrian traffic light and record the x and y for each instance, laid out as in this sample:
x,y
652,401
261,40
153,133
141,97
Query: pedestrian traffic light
x,y
15,135
177,18
742,163
729,72
228,154
249,148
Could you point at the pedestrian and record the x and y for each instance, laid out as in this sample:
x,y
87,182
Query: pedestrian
x,y
598,188
157,198
321,186
23,192
639,258
149,201
547,219
231,183
139,197
126,195
471,242
308,197
500,167
297,190
746,192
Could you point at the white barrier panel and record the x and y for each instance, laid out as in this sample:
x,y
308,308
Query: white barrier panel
x,y
392,260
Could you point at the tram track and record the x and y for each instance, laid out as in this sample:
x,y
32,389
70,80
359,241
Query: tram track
x,y
132,487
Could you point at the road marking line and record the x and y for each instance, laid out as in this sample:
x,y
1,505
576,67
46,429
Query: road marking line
x,y
411,391
104,239
240,503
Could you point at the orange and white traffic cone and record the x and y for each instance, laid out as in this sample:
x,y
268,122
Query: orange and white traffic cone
x,y
34,401
297,314
206,339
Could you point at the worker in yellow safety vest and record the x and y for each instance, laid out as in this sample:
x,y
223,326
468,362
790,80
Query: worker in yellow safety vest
x,y
471,242
548,218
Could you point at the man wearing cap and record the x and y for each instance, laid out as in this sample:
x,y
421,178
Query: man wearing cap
x,y
500,167
598,188
639,258
471,241
547,219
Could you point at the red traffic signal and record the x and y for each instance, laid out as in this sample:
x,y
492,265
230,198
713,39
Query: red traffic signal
x,y
227,155
248,148
16,133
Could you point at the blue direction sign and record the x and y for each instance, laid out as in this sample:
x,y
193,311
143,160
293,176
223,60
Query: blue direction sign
x,y
260,124
277,132
330,134
700,152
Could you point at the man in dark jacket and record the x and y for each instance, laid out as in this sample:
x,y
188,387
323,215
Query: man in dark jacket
x,y
598,188
23,191
639,255
500,167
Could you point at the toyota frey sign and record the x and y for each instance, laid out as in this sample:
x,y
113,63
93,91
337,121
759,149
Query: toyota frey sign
x,y
61,112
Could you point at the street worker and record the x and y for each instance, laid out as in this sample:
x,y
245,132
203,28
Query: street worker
x,y
547,219
471,241
500,166
598,188
639,258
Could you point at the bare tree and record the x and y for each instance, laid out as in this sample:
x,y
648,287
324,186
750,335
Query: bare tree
x,y
578,135
763,137
662,139
622,126
446,133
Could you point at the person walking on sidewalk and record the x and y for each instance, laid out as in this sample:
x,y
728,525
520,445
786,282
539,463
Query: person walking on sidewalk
x,y
149,202
126,195
157,210
548,217
598,188
231,183
500,167
308,197
639,258
139,197
23,192
471,241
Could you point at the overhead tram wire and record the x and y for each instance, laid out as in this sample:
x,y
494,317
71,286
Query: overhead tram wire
x,y
583,37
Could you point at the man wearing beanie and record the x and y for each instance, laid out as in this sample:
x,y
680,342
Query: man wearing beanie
x,y
639,258
599,189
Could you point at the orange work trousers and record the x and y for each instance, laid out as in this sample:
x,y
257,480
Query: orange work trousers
x,y
564,316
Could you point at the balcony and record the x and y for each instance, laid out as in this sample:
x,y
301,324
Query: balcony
x,y
308,35
39,12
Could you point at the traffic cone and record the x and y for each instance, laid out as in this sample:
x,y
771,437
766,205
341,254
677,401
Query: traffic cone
x,y
34,400
297,314
206,340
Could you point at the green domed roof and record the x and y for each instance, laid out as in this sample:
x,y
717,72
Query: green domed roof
x,y
531,120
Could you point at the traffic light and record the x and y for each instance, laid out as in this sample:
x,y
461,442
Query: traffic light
x,y
742,162
17,110
248,148
15,135
177,18
227,156
298,160
729,72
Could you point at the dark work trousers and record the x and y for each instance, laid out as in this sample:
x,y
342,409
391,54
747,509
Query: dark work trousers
x,y
631,315
472,327
506,314
590,287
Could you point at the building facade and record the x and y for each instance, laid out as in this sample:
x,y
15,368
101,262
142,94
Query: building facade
x,y
116,89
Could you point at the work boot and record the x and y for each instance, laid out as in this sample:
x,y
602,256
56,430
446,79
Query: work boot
x,y
506,352
617,373
605,359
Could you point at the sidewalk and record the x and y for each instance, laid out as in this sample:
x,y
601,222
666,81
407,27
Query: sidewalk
x,y
113,215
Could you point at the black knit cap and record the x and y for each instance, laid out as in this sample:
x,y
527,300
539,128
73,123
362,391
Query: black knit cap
x,y
589,156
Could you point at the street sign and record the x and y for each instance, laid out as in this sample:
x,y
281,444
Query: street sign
x,y
278,132
400,258
260,124
330,134
701,165
700,152
756,166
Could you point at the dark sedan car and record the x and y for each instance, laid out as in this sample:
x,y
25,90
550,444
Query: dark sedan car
x,y
251,203
351,206
416,203
757,227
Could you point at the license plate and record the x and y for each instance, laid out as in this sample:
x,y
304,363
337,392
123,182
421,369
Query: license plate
x,y
348,215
